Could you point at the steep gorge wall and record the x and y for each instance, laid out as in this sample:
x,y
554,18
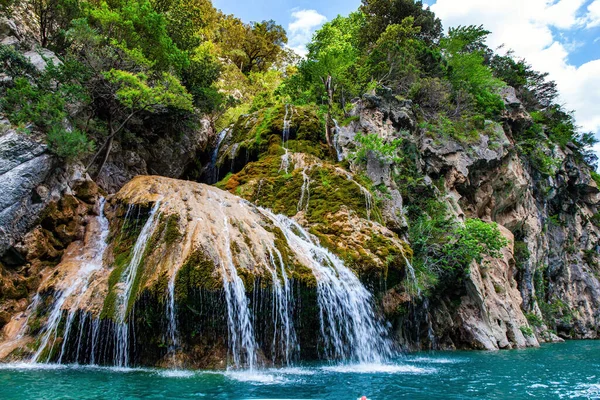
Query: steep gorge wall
x,y
547,282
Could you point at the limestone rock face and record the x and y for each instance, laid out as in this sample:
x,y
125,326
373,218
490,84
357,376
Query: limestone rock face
x,y
489,316
166,155
30,179
390,119
555,269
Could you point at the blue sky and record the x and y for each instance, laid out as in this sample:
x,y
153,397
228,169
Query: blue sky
x,y
561,37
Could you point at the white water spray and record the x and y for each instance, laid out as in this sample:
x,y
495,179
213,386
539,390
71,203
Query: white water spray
x,y
76,288
349,326
128,280
336,142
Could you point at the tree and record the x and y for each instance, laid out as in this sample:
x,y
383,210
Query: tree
x,y
133,93
252,47
190,22
380,14
331,54
54,17
393,57
137,27
473,81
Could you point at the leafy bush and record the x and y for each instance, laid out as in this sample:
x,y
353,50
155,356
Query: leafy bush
x,y
385,152
534,320
526,331
69,144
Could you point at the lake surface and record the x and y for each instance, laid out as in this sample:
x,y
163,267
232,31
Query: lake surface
x,y
558,371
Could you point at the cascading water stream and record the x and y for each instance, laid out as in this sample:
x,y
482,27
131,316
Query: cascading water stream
x,y
411,277
366,193
285,136
282,308
336,142
78,288
212,173
128,279
349,327
304,191
242,343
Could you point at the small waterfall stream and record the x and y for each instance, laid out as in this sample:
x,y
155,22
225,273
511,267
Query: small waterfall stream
x,y
242,343
127,282
285,137
212,171
304,191
336,141
77,288
349,326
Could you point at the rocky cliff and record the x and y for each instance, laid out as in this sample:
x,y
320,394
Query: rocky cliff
x,y
178,252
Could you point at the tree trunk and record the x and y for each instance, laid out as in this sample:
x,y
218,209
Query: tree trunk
x,y
108,149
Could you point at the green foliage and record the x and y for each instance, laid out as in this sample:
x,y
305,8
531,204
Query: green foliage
x,y
521,254
392,61
464,130
595,177
382,13
534,320
14,64
138,92
475,240
385,152
333,53
526,331
251,47
136,26
473,81
69,144
41,100
536,148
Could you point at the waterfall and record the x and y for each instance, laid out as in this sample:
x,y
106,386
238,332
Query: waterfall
x,y
282,308
172,327
366,193
304,191
285,161
242,343
76,288
368,200
128,280
349,327
336,142
285,136
411,277
287,123
212,171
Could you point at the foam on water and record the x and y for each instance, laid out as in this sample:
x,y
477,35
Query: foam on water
x,y
176,373
256,377
295,371
583,391
374,368
427,360
32,366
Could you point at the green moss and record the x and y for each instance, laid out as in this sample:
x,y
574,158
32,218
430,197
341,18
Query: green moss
x,y
172,232
122,236
259,134
195,273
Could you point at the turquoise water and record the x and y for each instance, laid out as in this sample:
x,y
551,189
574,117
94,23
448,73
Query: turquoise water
x,y
560,371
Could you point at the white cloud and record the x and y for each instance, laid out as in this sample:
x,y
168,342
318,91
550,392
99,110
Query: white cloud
x,y
525,27
593,14
304,24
